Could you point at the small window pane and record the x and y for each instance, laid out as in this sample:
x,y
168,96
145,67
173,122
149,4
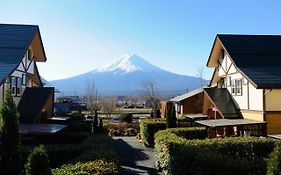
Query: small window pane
x,y
239,87
19,86
233,91
13,85
23,79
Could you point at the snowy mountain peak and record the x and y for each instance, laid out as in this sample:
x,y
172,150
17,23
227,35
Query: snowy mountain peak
x,y
127,64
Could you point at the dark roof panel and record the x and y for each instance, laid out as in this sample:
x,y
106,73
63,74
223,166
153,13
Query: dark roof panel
x,y
257,56
221,98
16,36
32,103
14,41
252,44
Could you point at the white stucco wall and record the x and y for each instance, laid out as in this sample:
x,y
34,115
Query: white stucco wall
x,y
241,100
255,98
251,98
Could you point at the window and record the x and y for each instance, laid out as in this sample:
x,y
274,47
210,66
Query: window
x,y
23,79
236,87
19,86
229,81
16,86
238,84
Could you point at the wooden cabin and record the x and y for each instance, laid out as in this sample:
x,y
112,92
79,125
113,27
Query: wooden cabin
x,y
189,103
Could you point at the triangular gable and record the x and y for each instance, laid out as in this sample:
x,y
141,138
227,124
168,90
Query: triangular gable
x,y
14,43
256,57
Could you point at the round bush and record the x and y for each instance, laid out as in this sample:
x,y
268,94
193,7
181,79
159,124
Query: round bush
x,y
38,163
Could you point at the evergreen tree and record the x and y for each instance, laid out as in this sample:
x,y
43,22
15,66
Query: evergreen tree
x,y
174,118
152,114
10,155
100,126
95,122
171,119
38,163
158,113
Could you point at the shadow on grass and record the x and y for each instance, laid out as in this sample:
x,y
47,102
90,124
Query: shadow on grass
x,y
130,154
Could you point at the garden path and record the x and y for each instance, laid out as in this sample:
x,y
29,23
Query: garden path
x,y
135,157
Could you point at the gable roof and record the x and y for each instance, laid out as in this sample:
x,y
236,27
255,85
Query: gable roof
x,y
222,100
14,42
187,95
257,57
32,102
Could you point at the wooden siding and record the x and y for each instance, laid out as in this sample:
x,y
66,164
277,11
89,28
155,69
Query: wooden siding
x,y
253,115
192,105
272,100
273,122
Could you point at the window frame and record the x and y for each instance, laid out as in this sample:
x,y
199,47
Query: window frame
x,y
19,87
16,86
237,87
23,79
13,85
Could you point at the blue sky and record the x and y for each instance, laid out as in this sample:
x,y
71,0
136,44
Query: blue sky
x,y
176,35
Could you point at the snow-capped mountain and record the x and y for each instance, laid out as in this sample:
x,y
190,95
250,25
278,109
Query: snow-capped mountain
x,y
126,76
128,64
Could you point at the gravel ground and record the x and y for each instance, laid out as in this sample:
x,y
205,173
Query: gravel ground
x,y
135,158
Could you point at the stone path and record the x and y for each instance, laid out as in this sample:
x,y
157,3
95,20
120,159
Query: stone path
x,y
135,158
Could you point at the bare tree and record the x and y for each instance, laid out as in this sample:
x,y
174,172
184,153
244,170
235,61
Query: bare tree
x,y
200,75
108,105
150,91
92,97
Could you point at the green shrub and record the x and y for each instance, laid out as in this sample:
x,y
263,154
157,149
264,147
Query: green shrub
x,y
188,133
79,126
211,163
100,129
105,127
127,117
158,113
58,154
274,163
181,153
38,163
9,121
98,146
95,122
148,128
77,116
98,157
98,167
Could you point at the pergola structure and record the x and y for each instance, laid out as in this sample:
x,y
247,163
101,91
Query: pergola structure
x,y
234,127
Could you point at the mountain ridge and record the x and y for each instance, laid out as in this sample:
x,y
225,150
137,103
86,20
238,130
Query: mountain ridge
x,y
126,76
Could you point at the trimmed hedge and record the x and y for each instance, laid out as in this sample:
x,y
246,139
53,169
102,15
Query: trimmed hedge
x,y
98,157
98,146
98,167
148,128
177,154
274,163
